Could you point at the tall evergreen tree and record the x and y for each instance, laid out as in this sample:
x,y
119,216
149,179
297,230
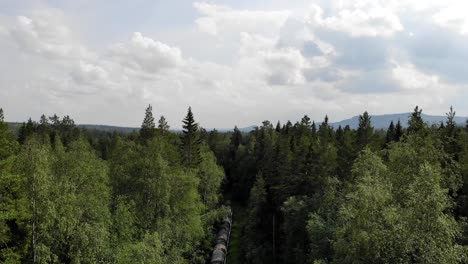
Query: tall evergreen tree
x,y
148,126
26,130
190,140
398,131
163,126
365,130
305,121
43,127
450,123
415,123
278,127
390,133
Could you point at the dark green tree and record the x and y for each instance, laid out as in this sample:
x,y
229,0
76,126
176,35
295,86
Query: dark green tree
x,y
416,123
190,140
163,126
390,133
398,131
26,130
148,127
365,130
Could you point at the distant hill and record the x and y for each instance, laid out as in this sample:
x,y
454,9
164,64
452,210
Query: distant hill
x,y
105,128
14,126
383,121
242,129
378,122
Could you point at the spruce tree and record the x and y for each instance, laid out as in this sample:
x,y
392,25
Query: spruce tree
x,y
147,130
398,131
278,127
325,131
390,133
190,140
365,130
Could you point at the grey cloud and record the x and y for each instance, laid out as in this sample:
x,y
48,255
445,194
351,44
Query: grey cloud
x,y
357,52
435,50
323,74
373,81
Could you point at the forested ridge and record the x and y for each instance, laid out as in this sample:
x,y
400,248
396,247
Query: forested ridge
x,y
301,193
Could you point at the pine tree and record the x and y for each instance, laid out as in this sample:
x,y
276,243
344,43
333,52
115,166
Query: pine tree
x,y
163,126
450,123
450,133
278,127
390,133
1,115
398,131
236,139
147,130
415,123
305,121
55,120
190,140
365,130
325,131
26,130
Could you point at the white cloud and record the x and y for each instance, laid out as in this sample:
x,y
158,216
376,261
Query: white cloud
x,y
370,22
46,33
453,17
145,54
86,73
341,59
413,79
221,19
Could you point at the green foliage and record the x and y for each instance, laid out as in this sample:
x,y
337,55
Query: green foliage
x,y
397,213
258,248
190,141
148,127
365,130
211,176
313,195
163,126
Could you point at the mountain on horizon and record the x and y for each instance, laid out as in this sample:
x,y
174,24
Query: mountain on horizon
x,y
383,121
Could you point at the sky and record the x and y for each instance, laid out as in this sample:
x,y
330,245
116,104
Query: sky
x,y
234,62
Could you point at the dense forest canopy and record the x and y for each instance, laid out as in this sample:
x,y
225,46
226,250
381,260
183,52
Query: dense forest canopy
x,y
301,193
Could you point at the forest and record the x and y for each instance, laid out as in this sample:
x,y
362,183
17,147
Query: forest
x,y
300,192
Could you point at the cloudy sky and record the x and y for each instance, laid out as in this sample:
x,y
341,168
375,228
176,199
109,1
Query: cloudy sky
x,y
236,62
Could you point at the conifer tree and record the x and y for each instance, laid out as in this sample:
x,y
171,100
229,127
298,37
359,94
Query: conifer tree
x,y
450,123
398,131
236,138
55,120
26,130
147,130
190,140
305,121
365,130
163,126
278,127
415,123
325,131
390,133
